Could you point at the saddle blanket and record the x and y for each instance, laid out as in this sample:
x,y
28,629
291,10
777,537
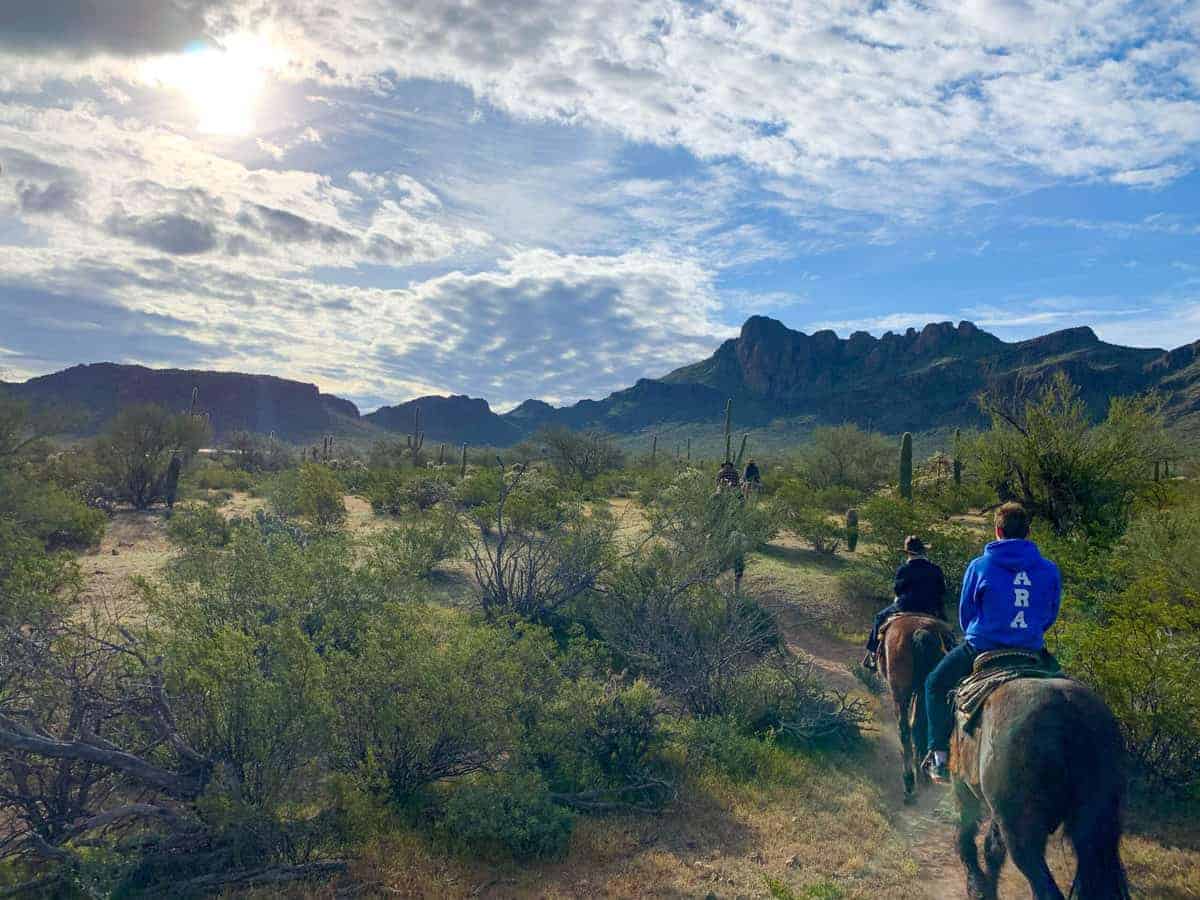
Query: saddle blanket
x,y
936,625
990,671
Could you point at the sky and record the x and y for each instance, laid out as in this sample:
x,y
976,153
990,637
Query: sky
x,y
554,198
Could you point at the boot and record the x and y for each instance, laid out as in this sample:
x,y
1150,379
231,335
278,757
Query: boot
x,y
939,773
868,662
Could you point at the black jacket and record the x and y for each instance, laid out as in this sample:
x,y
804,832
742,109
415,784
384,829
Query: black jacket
x,y
751,473
920,587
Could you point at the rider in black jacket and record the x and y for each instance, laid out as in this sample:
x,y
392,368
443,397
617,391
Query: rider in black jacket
x,y
919,587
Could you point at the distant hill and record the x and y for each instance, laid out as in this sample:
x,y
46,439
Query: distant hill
x,y
263,403
782,380
452,419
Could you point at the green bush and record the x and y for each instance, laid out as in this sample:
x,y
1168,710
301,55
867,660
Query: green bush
x,y
33,582
311,492
135,454
213,476
54,517
399,491
414,550
505,815
719,743
198,526
798,510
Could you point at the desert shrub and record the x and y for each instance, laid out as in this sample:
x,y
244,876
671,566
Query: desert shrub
x,y
33,581
253,453
599,746
685,635
798,510
213,476
720,744
428,696
783,696
845,456
709,530
1046,453
481,486
45,511
414,550
506,815
198,526
311,492
580,455
400,491
837,498
1131,629
135,454
546,551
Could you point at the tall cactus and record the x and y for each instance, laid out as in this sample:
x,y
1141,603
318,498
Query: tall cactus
x,y
906,468
416,440
442,454
729,430
195,400
654,450
689,449
741,451
462,467
851,529
958,465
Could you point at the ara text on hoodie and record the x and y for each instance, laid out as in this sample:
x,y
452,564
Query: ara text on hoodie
x,y
1010,597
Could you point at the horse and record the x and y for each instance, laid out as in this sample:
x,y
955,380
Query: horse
x,y
910,646
1045,753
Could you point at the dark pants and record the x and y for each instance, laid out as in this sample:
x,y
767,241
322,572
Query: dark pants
x,y
880,618
954,667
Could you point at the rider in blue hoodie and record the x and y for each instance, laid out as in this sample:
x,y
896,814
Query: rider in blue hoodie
x,y
1010,598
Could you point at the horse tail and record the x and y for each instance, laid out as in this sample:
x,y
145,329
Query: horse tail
x,y
1095,832
927,652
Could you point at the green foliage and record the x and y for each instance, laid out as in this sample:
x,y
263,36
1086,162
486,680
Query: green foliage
x,y
414,550
1047,454
891,520
214,476
33,582
507,815
797,510
847,458
581,455
720,744
198,526
404,491
906,466
51,515
135,454
311,492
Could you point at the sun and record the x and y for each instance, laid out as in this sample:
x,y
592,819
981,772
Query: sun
x,y
223,85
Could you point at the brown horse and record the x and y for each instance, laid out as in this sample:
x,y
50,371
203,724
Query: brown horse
x,y
910,646
1045,753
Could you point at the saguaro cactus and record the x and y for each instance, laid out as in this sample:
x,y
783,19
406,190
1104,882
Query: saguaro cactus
x,y
195,400
851,529
741,451
654,449
958,465
689,449
462,467
906,468
442,454
416,440
729,429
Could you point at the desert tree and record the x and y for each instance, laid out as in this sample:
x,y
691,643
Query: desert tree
x,y
136,452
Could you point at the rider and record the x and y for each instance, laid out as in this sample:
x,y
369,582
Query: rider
x,y
727,476
919,587
752,475
1010,598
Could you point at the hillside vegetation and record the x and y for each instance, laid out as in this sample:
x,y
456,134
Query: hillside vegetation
x,y
577,670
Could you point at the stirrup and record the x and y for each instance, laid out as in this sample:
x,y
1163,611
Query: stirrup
x,y
937,774
869,662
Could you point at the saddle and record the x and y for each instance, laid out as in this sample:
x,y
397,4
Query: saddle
x,y
992,669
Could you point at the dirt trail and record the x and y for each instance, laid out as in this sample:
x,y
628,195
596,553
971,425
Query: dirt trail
x,y
927,826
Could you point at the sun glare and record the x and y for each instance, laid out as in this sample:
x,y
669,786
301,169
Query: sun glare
x,y
223,85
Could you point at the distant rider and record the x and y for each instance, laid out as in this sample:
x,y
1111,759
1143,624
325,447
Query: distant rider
x,y
919,587
727,477
752,476
1010,598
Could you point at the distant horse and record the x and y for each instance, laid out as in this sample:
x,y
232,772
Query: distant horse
x,y
910,647
1045,753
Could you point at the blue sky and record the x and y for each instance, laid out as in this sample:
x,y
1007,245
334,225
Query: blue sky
x,y
553,198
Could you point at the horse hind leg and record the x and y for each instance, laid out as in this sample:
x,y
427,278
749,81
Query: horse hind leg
x,y
979,886
994,853
1095,833
1027,847
906,749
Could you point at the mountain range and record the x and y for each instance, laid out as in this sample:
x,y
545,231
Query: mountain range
x,y
916,381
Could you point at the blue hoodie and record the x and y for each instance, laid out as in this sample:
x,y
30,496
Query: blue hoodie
x,y
1010,597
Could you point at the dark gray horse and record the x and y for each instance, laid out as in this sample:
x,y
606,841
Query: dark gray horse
x,y
1046,752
